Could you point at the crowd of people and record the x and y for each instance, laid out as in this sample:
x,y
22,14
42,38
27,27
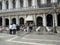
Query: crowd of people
x,y
28,27
15,27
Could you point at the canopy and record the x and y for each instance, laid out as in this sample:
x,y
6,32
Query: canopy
x,y
29,18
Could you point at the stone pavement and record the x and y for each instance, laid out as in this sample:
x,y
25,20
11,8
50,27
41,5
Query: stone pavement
x,y
33,38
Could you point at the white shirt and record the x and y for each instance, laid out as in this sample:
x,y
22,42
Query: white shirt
x,y
10,26
14,26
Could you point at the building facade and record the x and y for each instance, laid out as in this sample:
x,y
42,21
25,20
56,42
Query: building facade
x,y
40,12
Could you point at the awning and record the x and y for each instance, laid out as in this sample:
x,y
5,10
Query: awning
x,y
29,18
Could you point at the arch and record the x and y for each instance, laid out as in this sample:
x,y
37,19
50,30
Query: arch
x,y
58,19
6,22
0,21
39,21
49,19
14,20
21,21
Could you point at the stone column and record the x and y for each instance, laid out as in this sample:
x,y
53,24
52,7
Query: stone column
x,y
34,3
10,20
3,4
43,1
44,20
3,21
17,20
25,18
54,19
25,3
34,16
53,1
17,4
10,4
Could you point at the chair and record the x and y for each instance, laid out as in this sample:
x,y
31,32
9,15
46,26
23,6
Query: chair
x,y
38,28
25,28
49,29
21,28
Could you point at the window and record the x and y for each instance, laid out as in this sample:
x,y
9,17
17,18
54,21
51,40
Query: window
x,y
21,3
0,21
6,22
7,4
13,3
58,1
21,21
0,5
39,3
39,21
14,20
29,3
49,19
48,3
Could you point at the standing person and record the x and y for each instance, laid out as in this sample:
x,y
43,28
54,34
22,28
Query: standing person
x,y
28,30
10,28
18,27
30,26
14,28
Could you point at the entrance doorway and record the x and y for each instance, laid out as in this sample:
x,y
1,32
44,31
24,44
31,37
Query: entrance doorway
x,y
49,19
14,20
21,22
39,21
6,22
0,21
58,19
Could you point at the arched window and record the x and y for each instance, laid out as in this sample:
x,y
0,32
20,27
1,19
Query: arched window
x,y
0,21
6,22
49,19
14,20
39,21
21,21
58,19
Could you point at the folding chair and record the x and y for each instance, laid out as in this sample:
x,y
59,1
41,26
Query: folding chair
x,y
49,29
38,28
